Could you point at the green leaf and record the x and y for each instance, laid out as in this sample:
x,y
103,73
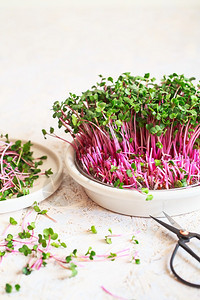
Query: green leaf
x,y
184,182
73,268
56,245
134,240
36,207
74,252
157,162
133,166
145,190
112,256
54,236
108,240
74,120
35,247
137,261
24,234
113,168
63,245
110,79
8,288
9,237
93,229
45,255
26,270
10,245
44,132
149,197
51,130
88,251
31,226
92,254
129,173
25,250
17,287
2,253
43,157
159,145
48,172
68,258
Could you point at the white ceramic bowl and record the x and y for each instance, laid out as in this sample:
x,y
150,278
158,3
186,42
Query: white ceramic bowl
x,y
174,202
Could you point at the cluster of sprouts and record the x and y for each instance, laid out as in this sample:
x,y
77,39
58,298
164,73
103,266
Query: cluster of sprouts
x,y
136,133
18,168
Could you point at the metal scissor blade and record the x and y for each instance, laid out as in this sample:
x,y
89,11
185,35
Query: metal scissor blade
x,y
169,227
173,222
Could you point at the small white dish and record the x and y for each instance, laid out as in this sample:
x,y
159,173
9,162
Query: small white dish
x,y
129,202
43,187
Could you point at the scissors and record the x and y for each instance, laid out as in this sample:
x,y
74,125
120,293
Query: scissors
x,y
184,237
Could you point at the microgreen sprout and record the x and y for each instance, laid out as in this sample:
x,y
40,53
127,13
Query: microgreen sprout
x,y
26,270
134,240
13,221
110,230
17,287
25,250
8,288
93,229
59,244
149,197
137,261
73,254
108,240
73,268
31,226
91,253
108,237
41,211
24,234
68,258
112,256
38,210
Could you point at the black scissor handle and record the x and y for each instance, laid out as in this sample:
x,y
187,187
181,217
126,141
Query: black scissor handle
x,y
182,243
172,266
194,235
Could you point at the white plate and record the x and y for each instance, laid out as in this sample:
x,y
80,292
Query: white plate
x,y
43,187
130,202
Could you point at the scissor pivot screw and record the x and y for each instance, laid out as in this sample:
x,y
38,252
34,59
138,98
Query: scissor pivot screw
x,y
184,232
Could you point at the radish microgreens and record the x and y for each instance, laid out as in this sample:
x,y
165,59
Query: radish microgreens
x,y
18,168
41,249
136,133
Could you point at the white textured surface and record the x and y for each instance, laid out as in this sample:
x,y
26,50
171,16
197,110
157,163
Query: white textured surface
x,y
49,48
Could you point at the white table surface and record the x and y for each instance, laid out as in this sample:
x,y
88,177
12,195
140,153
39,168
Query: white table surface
x,y
49,48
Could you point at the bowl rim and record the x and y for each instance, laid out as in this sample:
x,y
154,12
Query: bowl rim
x,y
85,179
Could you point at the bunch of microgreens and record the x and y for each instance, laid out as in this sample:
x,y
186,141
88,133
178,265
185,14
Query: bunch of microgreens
x,y
136,133
18,168
41,248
